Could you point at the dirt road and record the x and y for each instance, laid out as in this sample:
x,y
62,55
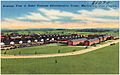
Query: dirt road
x,y
62,54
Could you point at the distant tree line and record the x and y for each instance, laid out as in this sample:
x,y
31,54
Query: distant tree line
x,y
79,30
98,30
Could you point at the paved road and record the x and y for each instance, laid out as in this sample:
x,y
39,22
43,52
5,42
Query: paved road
x,y
62,54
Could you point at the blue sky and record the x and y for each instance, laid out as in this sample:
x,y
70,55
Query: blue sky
x,y
25,14
8,11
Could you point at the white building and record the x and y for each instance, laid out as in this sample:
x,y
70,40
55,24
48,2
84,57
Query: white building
x,y
20,42
2,43
42,40
36,40
29,41
12,43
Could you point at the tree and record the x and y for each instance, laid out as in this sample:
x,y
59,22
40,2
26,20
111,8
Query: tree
x,y
35,52
58,51
56,61
86,47
5,52
74,50
19,52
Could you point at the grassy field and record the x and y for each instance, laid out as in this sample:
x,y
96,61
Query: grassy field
x,y
41,50
63,32
101,61
50,32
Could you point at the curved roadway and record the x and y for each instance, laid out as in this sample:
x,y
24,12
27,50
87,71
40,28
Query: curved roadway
x,y
61,54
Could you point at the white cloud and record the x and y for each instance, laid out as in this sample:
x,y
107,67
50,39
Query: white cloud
x,y
98,15
95,15
100,12
34,16
57,13
92,18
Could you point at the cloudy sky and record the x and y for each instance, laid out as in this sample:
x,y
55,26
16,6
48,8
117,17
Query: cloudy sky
x,y
58,17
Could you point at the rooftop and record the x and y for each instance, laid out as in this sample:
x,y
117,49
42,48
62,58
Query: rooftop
x,y
79,39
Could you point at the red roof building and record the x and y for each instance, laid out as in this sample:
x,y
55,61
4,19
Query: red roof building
x,y
91,42
76,41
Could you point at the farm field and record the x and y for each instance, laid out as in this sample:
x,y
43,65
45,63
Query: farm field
x,y
50,32
46,49
101,61
63,32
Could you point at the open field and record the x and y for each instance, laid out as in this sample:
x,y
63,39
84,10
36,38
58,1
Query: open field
x,y
62,54
41,50
51,32
104,60
62,32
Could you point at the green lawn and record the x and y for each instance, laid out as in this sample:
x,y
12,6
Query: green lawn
x,y
41,50
101,61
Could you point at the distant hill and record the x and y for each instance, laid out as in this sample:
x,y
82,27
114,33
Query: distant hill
x,y
50,29
99,30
